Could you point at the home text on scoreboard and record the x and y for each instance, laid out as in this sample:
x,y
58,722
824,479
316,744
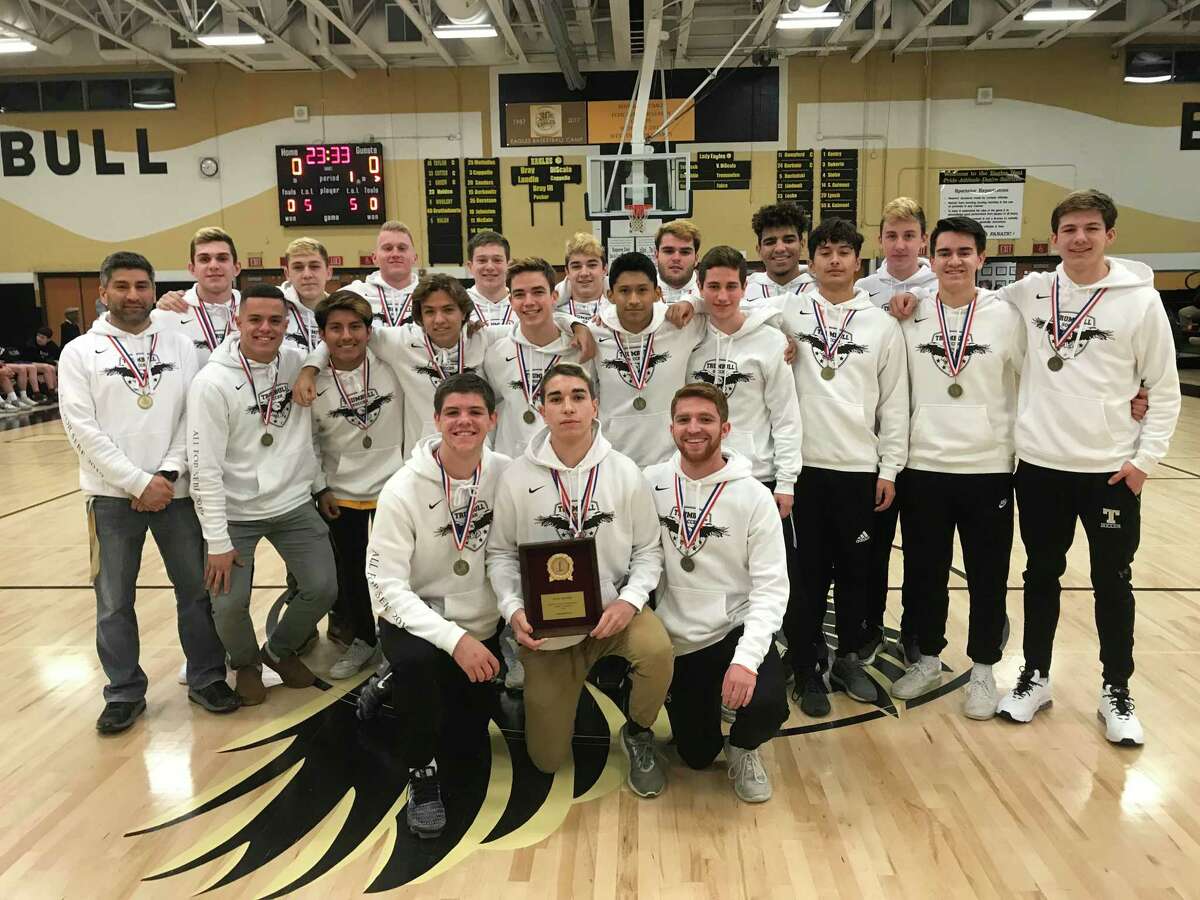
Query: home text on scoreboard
x,y
330,184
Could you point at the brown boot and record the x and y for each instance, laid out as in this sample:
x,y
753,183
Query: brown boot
x,y
250,686
291,669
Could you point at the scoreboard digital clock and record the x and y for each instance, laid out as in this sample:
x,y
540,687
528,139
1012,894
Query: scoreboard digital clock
x,y
330,184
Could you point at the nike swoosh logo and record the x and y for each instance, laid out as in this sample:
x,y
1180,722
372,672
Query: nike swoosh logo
x,y
323,393
509,358
238,387
536,489
919,320
432,505
184,321
874,294
657,488
1041,296
102,351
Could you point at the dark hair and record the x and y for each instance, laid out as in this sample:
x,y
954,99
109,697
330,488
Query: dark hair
x,y
464,383
569,369
779,215
703,391
722,257
483,239
430,285
46,332
347,300
531,264
123,259
834,231
958,225
1079,201
265,290
632,262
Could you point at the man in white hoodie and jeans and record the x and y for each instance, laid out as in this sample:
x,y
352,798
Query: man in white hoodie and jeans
x,y
254,473
389,288
570,483
724,593
438,620
123,388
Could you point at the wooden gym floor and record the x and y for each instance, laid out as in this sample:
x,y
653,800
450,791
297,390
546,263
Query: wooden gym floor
x,y
888,801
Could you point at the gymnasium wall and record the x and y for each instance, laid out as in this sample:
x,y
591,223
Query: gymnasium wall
x,y
1064,115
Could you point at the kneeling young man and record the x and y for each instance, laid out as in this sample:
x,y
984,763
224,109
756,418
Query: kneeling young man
x,y
438,621
725,593
570,483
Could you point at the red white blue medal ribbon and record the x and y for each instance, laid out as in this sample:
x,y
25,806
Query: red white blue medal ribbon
x,y
689,536
527,386
585,501
955,356
360,418
460,533
830,345
639,375
300,326
211,337
1059,338
387,310
433,357
142,379
263,411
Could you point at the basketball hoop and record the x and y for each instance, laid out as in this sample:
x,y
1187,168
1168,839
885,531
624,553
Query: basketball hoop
x,y
637,218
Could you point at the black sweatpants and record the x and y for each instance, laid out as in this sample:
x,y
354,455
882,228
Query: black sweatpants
x,y
1049,502
432,694
981,508
349,533
833,515
883,536
791,548
694,702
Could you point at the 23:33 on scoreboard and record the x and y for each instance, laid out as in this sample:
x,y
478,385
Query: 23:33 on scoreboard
x,y
330,184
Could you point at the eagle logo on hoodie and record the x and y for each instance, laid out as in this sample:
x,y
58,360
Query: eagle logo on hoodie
x,y
723,373
632,356
707,530
845,348
280,404
937,352
561,522
1077,343
374,403
154,364
480,525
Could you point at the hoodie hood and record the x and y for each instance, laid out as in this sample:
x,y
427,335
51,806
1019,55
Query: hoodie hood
x,y
559,345
610,319
541,453
105,327
227,353
756,318
1122,274
191,298
924,275
860,300
736,466
375,279
423,463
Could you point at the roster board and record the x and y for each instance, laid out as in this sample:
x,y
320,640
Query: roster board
x,y
481,177
719,171
443,211
839,184
794,178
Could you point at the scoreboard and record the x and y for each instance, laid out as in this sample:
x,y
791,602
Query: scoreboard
x,y
330,184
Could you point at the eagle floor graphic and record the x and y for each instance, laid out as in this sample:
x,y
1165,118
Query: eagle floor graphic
x,y
335,787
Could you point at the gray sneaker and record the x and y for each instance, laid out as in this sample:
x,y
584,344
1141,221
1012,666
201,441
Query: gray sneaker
x,y
425,814
981,697
922,677
750,781
847,673
358,656
647,778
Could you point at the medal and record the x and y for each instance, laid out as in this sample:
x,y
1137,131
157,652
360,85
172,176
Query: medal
x,y
528,388
366,442
577,517
140,378
1054,363
956,354
211,337
266,440
529,417
639,403
689,537
264,412
1058,339
639,374
360,419
830,344
460,535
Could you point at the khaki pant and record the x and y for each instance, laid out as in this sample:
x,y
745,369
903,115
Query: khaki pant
x,y
554,679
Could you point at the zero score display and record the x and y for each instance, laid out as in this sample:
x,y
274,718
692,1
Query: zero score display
x,y
330,184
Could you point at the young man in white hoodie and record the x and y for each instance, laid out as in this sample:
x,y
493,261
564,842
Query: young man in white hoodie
x,y
724,593
438,620
676,252
254,473
488,255
358,420
642,360
902,239
779,229
852,384
389,288
581,293
205,312
570,483
122,396
307,269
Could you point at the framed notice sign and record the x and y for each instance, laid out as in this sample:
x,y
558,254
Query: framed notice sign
x,y
992,197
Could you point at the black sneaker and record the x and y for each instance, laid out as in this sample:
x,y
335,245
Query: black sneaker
x,y
813,698
217,697
426,815
119,715
789,672
848,674
872,644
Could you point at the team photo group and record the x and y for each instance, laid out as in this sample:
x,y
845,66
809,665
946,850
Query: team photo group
x,y
705,466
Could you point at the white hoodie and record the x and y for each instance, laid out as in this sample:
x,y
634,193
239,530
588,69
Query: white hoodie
x,y
1077,419
881,285
740,575
972,433
760,286
580,309
858,420
411,553
621,519
302,328
191,324
391,306
674,294
234,477
354,472
642,435
121,445
489,313
748,367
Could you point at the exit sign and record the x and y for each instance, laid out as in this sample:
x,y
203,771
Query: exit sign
x,y
335,260
365,260
1007,249
1042,249
254,262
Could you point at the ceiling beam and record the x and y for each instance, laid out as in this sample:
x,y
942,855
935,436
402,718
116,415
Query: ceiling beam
x,y
28,36
883,9
506,29
556,27
32,17
767,24
995,31
415,16
320,37
324,12
1056,33
1161,20
583,18
185,33
111,35
264,31
847,23
622,52
926,20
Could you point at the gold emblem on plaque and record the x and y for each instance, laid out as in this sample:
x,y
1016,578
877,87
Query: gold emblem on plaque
x,y
560,567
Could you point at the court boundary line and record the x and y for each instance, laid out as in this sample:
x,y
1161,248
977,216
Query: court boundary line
x,y
39,503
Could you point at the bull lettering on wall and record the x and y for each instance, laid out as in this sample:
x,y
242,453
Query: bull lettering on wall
x,y
17,158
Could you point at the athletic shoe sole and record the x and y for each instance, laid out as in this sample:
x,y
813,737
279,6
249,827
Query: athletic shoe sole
x,y
840,685
425,835
1124,742
1009,717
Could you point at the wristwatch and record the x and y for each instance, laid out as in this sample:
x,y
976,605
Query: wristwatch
x,y
170,476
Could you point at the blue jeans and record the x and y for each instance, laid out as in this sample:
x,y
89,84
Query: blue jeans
x,y
120,533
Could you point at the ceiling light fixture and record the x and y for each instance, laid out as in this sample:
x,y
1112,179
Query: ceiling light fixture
x,y
15,45
804,20
1147,79
464,31
1058,14
231,40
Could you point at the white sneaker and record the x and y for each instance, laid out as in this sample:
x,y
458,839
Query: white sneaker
x,y
750,781
6,407
25,403
1028,696
270,678
181,678
981,697
357,657
922,677
1121,725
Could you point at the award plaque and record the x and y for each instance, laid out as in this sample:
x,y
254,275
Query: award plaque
x,y
560,581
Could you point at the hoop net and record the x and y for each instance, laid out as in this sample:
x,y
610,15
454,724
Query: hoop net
x,y
637,217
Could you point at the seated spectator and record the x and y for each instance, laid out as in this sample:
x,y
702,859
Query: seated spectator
x,y
42,355
18,399
42,348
